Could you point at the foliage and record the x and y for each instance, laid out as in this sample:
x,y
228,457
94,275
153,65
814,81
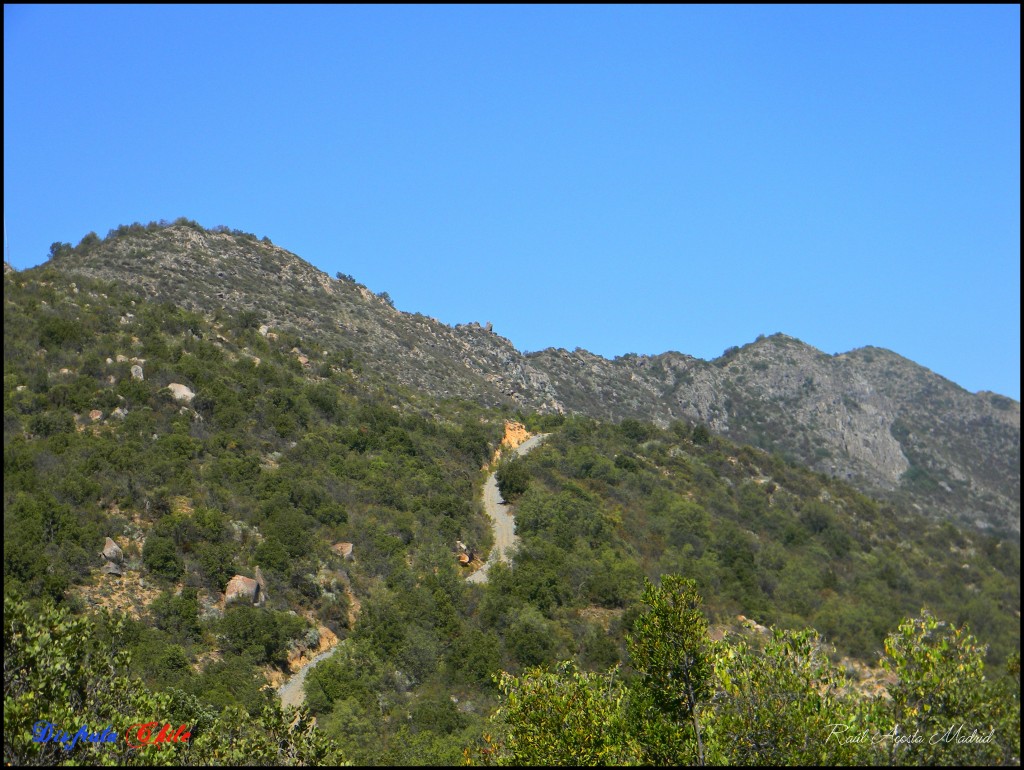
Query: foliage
x,y
779,705
513,478
942,691
58,669
671,652
783,703
261,634
161,558
563,717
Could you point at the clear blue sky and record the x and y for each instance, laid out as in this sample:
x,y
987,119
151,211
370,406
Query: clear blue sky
x,y
622,179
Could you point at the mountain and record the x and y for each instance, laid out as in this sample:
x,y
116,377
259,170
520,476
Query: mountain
x,y
245,490
869,416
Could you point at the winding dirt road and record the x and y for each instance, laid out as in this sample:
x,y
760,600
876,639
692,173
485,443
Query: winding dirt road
x,y
291,692
502,522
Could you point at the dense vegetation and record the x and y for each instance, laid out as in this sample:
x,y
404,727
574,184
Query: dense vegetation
x,y
777,701
288,448
72,673
609,504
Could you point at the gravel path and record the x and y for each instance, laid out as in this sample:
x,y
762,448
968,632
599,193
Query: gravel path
x,y
502,521
291,692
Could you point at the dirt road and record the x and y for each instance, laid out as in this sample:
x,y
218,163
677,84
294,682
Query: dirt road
x,y
502,522
291,692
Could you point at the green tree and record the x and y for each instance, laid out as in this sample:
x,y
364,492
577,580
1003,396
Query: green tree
x,y
513,478
779,706
563,717
672,652
161,557
941,691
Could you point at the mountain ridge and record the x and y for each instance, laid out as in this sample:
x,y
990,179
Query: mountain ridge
x,y
870,415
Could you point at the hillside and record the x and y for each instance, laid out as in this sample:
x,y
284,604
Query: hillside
x,y
242,492
868,416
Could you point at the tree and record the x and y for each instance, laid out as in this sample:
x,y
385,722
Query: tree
x,y
59,249
161,557
564,717
513,478
780,706
942,687
671,651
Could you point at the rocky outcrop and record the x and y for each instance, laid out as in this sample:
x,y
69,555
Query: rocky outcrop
x,y
113,558
112,551
344,550
181,393
261,581
241,588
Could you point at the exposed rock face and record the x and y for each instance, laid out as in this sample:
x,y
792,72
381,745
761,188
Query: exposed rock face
x,y
181,393
869,416
515,434
241,588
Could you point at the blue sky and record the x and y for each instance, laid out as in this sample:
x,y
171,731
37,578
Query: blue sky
x,y
617,178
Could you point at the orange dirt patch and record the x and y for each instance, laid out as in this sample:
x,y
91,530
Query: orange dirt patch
x,y
515,434
128,593
297,660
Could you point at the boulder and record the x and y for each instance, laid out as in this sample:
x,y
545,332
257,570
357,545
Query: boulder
x,y
110,568
343,549
242,588
137,372
112,551
181,393
95,415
